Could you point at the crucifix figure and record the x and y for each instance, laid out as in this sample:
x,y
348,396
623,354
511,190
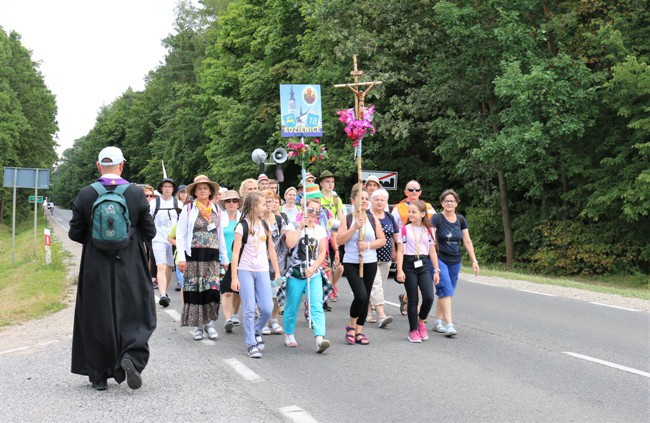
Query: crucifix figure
x,y
359,104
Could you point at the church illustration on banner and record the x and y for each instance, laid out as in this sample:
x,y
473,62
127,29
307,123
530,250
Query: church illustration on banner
x,y
300,108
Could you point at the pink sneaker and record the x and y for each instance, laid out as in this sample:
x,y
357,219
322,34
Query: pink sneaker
x,y
414,336
422,330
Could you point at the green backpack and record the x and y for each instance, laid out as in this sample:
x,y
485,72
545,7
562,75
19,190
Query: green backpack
x,y
111,225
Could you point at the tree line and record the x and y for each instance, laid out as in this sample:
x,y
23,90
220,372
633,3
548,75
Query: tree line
x,y
536,112
27,118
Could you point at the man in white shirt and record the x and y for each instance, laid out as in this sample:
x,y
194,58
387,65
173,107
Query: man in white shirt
x,y
165,212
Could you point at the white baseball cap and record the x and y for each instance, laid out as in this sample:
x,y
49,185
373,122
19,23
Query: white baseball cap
x,y
113,153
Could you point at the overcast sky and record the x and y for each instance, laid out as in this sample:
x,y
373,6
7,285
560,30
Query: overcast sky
x,y
90,51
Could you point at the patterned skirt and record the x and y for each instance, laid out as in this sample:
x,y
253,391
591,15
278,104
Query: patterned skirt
x,y
201,287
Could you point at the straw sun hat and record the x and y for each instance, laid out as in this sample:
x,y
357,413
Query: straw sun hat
x,y
229,195
202,179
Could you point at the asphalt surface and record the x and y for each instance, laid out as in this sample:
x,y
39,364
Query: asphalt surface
x,y
519,356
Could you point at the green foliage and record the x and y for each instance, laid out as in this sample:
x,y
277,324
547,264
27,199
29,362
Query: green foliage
x,y
536,112
27,116
574,248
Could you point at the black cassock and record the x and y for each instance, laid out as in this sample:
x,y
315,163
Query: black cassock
x,y
115,312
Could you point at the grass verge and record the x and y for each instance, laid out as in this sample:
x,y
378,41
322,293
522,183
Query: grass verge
x,y
30,289
634,286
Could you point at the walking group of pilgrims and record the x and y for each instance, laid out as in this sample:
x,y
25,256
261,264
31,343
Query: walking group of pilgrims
x,y
260,259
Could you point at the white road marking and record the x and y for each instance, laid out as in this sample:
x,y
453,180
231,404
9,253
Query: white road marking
x,y
174,315
243,371
41,344
481,283
607,363
538,293
390,303
57,222
14,350
207,341
613,306
297,414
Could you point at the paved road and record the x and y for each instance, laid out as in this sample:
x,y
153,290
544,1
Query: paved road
x,y
519,356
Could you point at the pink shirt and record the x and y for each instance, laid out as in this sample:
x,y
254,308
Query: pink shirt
x,y
418,240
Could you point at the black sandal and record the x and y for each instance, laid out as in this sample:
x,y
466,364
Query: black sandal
x,y
362,339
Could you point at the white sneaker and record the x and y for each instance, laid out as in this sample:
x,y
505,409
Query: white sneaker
x,y
321,344
260,341
235,320
385,321
266,330
438,326
290,341
198,333
449,330
276,329
254,352
228,325
212,332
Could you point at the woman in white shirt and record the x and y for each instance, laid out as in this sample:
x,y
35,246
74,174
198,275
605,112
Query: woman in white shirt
x,y
290,208
306,260
366,245
200,246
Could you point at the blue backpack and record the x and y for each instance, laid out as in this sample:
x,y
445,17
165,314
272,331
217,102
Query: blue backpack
x,y
111,225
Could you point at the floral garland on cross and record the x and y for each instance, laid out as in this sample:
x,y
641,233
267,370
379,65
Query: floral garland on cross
x,y
356,129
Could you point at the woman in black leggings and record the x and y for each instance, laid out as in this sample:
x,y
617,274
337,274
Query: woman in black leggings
x,y
372,237
416,249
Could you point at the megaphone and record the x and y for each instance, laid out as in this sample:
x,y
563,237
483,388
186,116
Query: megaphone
x,y
279,155
258,156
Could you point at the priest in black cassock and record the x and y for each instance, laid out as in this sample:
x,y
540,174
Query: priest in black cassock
x,y
115,311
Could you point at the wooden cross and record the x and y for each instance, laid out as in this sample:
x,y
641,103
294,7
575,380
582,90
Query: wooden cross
x,y
359,104
359,96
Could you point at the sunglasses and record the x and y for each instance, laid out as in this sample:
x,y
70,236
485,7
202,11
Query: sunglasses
x,y
414,189
149,195
231,200
313,211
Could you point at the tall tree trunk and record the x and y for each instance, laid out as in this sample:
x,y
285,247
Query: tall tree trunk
x,y
505,218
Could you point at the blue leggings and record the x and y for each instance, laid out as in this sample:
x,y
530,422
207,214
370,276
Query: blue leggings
x,y
295,289
255,289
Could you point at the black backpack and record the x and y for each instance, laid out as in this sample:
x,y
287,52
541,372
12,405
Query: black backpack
x,y
174,207
244,240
